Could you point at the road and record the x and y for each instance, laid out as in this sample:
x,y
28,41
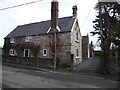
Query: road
x,y
14,77
90,64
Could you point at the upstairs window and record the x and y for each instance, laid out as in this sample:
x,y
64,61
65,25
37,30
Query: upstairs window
x,y
12,40
77,36
28,38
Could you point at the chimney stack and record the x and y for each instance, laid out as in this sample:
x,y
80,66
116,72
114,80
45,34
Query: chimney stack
x,y
74,10
54,14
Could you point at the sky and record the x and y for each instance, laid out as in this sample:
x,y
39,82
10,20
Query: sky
x,y
41,11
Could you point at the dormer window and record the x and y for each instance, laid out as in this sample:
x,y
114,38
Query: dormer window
x,y
12,40
28,38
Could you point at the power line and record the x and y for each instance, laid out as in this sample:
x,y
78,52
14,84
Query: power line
x,y
20,5
88,14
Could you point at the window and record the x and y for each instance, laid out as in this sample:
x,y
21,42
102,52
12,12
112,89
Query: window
x,y
12,52
28,38
77,53
12,40
26,53
77,36
44,52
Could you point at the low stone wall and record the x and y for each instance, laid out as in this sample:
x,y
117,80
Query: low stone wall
x,y
40,62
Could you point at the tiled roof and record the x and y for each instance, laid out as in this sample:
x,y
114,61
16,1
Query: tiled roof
x,y
65,24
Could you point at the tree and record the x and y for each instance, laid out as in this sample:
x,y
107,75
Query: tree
x,y
104,25
115,37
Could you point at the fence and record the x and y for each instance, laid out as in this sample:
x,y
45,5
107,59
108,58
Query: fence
x,y
30,61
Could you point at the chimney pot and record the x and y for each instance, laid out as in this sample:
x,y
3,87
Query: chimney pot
x,y
74,10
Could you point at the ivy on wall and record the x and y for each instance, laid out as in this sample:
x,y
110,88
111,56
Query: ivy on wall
x,y
33,47
20,48
6,46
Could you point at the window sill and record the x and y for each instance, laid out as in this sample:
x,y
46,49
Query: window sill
x,y
77,57
77,41
12,42
12,55
28,41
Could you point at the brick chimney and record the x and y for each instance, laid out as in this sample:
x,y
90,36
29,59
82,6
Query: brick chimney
x,y
74,10
54,14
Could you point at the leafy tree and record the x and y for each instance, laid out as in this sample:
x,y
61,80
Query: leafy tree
x,y
108,17
106,27
115,37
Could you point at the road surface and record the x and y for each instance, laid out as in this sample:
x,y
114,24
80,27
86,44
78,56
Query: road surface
x,y
90,64
14,77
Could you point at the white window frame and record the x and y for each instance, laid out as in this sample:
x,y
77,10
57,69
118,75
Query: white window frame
x,y
12,40
12,52
28,38
77,53
44,50
28,52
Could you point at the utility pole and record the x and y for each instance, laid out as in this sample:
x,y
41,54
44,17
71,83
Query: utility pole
x,y
55,49
101,34
104,41
54,24
101,31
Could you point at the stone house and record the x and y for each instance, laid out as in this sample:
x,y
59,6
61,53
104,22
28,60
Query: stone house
x,y
85,47
58,38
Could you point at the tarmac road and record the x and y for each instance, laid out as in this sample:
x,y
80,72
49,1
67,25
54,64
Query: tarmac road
x,y
14,77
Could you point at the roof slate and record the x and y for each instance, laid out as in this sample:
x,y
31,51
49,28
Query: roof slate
x,y
65,24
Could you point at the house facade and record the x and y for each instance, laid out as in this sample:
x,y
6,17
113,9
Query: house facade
x,y
58,38
85,47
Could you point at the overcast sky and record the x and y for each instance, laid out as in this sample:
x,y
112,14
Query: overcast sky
x,y
41,11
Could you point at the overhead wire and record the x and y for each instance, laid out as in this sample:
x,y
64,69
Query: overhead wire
x,y
87,14
20,5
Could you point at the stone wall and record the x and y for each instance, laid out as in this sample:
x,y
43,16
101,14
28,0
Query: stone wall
x,y
29,61
63,45
76,44
0,51
85,50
